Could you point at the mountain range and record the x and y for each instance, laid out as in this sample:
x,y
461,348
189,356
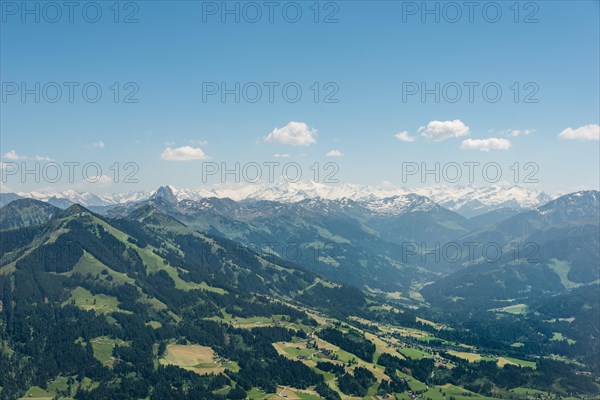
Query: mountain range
x,y
466,200
125,300
376,243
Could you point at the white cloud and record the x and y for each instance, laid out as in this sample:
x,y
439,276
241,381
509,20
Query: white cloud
x,y
14,156
334,153
404,136
442,130
184,153
519,132
99,179
281,155
99,144
586,132
486,144
293,134
44,158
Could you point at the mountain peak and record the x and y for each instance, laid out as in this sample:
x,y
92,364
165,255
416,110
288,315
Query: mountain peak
x,y
580,204
25,212
27,202
165,193
75,209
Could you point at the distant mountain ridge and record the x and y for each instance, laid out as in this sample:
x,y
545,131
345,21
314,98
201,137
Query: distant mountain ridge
x,y
26,212
469,201
559,250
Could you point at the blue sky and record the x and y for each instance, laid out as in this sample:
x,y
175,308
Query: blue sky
x,y
370,57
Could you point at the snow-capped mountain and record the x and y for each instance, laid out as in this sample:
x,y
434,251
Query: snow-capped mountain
x,y
466,200
470,201
131,197
401,204
462,199
68,197
165,193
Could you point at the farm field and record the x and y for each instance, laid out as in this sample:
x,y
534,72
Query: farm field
x,y
415,354
99,303
58,387
502,361
450,391
559,337
528,391
310,357
196,358
89,265
103,349
470,357
517,309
